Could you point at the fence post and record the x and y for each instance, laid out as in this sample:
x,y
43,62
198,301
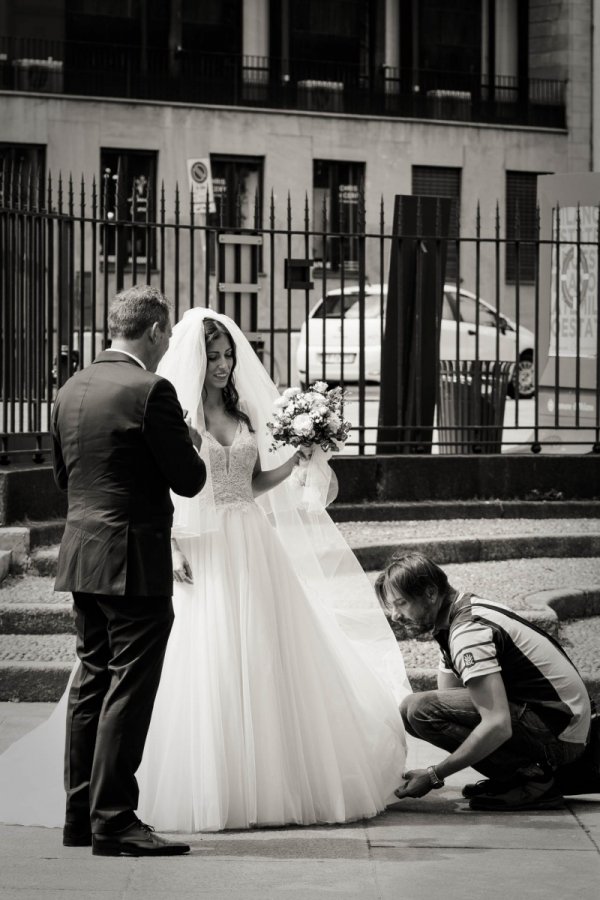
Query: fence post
x,y
411,341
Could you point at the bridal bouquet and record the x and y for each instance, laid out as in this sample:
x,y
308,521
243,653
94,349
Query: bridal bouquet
x,y
312,417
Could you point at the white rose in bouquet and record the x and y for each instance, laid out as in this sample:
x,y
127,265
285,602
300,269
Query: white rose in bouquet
x,y
303,425
320,386
291,392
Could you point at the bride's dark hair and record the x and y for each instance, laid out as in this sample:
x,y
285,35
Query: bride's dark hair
x,y
213,330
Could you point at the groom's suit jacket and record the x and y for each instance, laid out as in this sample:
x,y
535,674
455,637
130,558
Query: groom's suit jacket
x,y
120,444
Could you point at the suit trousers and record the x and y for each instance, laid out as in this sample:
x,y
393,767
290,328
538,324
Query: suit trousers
x,y
121,644
446,718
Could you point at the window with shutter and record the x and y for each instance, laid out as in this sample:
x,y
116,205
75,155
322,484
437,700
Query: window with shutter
x,y
441,181
521,227
338,192
22,173
128,194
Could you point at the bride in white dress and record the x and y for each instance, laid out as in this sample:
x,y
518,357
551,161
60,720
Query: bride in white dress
x,y
278,701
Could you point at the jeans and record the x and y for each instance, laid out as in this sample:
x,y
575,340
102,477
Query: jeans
x,y
446,718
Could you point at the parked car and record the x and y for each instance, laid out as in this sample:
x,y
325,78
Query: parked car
x,y
497,336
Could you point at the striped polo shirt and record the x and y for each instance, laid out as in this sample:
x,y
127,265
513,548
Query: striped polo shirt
x,y
485,637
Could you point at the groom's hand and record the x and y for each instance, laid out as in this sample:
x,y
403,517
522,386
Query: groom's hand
x,y
182,571
417,784
195,435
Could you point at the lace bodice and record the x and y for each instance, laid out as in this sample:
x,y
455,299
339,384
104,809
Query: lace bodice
x,y
232,467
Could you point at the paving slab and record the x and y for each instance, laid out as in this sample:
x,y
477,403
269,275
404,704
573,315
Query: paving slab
x,y
460,874
419,850
344,876
79,894
445,820
586,810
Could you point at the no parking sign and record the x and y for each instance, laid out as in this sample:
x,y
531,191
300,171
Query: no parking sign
x,y
201,185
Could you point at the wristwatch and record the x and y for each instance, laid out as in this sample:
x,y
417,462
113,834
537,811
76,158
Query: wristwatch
x,y
436,781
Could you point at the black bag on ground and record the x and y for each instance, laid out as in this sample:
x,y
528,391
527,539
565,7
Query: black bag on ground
x,y
583,775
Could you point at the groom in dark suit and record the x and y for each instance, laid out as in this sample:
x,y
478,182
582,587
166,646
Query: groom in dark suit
x,y
120,445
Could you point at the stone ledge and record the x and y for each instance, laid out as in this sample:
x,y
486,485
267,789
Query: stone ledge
x,y
33,682
29,492
44,560
5,563
36,618
388,511
16,539
465,550
574,603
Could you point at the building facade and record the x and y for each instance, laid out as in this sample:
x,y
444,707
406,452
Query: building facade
x,y
327,108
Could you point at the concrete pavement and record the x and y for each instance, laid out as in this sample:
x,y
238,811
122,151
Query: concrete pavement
x,y
421,850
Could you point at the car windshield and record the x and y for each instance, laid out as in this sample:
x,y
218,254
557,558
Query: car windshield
x,y
332,308
466,308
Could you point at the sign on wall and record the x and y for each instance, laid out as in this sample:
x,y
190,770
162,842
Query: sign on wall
x,y
574,296
201,187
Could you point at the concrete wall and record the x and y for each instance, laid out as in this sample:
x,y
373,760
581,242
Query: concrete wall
x,y
560,46
29,492
595,77
75,129
426,478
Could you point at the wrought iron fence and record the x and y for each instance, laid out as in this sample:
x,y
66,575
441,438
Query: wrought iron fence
x,y
156,73
517,369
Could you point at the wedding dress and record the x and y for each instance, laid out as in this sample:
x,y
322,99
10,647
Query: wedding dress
x,y
266,713
277,704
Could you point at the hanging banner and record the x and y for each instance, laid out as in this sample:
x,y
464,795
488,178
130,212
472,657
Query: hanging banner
x,y
574,299
201,188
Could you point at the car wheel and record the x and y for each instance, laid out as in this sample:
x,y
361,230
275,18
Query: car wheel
x,y
523,383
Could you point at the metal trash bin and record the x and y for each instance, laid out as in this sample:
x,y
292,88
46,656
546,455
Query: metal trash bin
x,y
471,403
65,366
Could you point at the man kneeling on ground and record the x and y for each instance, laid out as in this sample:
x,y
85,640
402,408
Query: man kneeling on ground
x,y
509,702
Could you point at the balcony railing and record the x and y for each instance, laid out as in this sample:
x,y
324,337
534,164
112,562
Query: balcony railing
x,y
133,72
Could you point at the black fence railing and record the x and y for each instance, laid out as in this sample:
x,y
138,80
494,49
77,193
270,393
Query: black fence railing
x,y
517,369
155,73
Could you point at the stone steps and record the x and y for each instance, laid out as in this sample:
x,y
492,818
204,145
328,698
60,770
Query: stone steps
x,y
375,553
487,552
373,511
41,671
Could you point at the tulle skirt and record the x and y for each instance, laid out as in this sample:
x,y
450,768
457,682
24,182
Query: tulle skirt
x,y
267,712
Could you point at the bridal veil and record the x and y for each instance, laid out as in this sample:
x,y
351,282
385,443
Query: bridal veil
x,y
317,550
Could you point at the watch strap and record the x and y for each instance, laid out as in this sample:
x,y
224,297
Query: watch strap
x,y
436,781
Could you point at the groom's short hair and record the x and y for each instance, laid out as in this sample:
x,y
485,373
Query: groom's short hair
x,y
408,576
136,309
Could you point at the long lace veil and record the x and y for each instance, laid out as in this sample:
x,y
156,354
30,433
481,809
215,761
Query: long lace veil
x,y
317,550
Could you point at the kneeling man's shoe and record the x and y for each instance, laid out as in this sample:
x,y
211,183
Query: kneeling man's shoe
x,y
137,840
491,786
74,836
528,795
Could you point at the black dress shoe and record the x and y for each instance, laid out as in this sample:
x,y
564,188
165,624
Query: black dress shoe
x,y
136,840
532,794
491,786
74,836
